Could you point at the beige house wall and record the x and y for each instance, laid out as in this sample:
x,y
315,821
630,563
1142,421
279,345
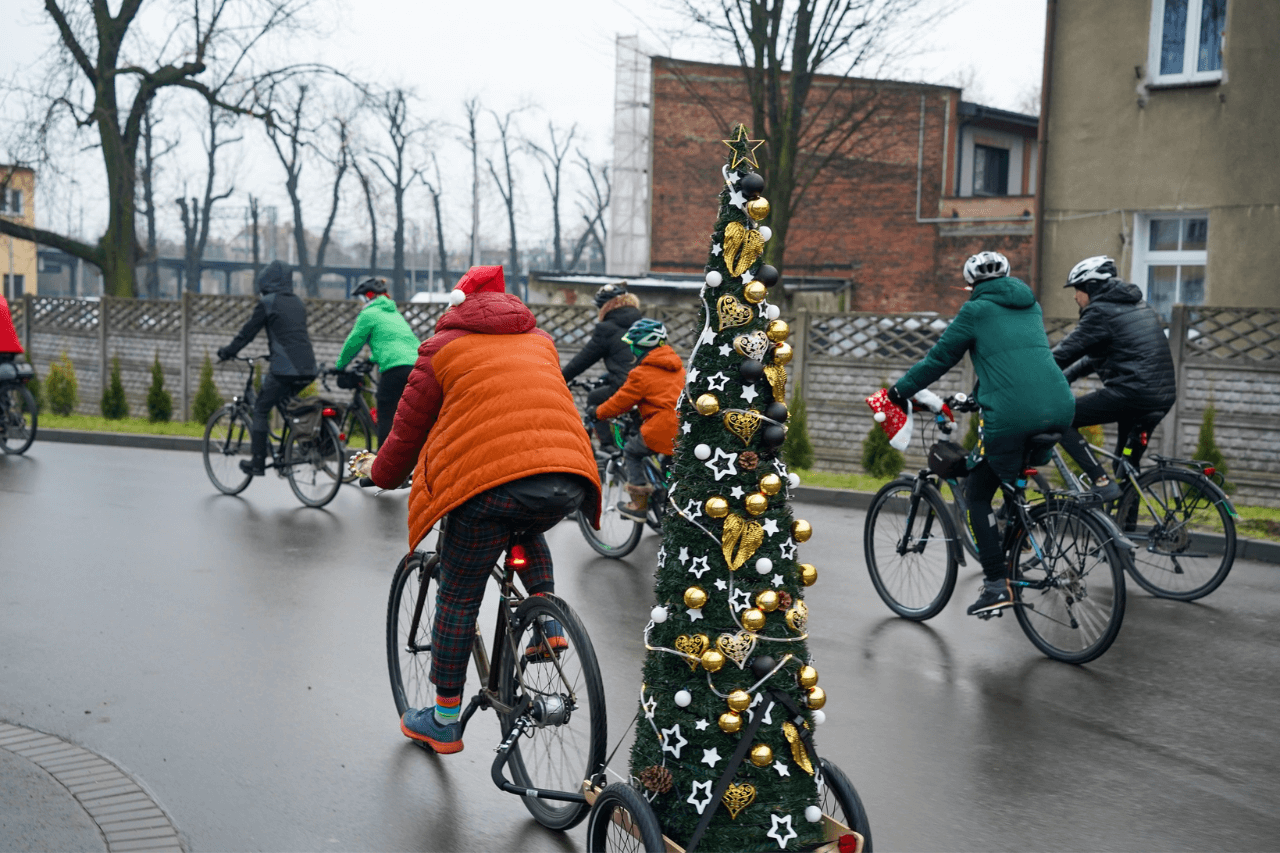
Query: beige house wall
x,y
24,251
1118,147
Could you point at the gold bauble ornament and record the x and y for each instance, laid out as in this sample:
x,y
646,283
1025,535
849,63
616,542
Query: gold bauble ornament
x,y
730,722
761,755
707,404
808,574
712,660
756,503
801,530
777,331
739,700
817,698
767,601
753,619
758,208
808,676
717,507
770,484
695,597
755,292
798,617
782,354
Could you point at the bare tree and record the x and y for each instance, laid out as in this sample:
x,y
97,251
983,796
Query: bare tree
x,y
592,207
472,106
196,215
435,189
94,62
147,175
367,186
257,248
393,107
552,159
507,189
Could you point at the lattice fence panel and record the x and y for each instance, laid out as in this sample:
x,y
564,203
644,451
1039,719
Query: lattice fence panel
x,y
144,317
422,317
64,315
569,326
222,314
874,336
1234,334
330,319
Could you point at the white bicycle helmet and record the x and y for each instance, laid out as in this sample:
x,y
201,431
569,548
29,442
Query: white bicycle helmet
x,y
985,265
1097,268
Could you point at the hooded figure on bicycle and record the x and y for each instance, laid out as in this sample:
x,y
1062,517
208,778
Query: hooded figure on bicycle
x,y
618,310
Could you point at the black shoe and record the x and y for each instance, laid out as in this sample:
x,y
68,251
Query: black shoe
x,y
995,595
1109,490
253,467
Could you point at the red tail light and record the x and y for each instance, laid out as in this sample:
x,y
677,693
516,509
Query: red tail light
x,y
342,436
1209,470
1031,472
329,413
847,843
373,413
516,557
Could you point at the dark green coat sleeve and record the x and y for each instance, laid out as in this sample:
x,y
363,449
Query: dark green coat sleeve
x,y
944,355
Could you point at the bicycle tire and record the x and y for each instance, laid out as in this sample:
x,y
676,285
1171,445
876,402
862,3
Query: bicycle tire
x,y
21,418
1069,599
226,442
839,799
913,586
314,464
410,671
997,505
561,754
357,433
617,536
622,821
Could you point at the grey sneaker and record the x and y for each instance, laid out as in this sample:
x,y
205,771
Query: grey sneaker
x,y
995,595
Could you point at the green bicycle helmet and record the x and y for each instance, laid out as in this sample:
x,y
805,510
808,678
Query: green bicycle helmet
x,y
645,334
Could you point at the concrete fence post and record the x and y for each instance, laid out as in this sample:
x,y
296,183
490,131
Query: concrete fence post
x,y
184,347
1178,328
104,361
27,299
800,353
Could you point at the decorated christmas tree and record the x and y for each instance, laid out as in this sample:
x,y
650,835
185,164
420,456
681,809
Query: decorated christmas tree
x,y
729,694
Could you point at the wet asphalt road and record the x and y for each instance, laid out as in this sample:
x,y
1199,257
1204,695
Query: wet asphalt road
x,y
229,653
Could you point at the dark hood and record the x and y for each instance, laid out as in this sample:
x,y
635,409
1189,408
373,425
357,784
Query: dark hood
x,y
1114,290
1008,291
275,278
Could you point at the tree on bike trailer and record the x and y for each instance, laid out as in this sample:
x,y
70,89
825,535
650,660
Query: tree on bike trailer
x,y
729,698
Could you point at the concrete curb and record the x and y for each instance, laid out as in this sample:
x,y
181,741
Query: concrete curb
x,y
121,439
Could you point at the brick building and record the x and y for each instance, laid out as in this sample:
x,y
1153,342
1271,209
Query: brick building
x,y
932,180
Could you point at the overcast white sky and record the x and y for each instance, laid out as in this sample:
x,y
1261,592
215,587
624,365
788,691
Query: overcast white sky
x,y
554,56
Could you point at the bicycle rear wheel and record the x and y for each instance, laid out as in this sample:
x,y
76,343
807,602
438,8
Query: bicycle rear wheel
x,y
622,820
357,433
409,652
1068,583
226,443
618,535
1185,537
560,679
314,463
910,549
18,409
839,799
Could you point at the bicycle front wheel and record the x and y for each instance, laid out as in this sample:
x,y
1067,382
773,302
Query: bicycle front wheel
x,y
622,821
549,667
1068,583
910,549
18,409
314,463
1183,533
409,650
226,443
839,800
618,535
357,433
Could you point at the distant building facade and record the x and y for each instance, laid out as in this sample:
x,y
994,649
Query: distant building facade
x,y
17,257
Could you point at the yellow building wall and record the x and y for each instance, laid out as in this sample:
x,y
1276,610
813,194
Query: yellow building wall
x,y
22,261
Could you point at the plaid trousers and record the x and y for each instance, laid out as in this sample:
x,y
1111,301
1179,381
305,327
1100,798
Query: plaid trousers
x,y
476,534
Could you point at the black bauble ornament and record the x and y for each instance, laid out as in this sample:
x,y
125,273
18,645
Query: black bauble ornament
x,y
751,184
776,412
750,370
773,435
762,666
767,275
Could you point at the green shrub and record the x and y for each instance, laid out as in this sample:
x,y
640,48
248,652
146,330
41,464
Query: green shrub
x,y
1207,449
159,401
207,400
971,436
114,404
797,449
62,388
879,459
33,385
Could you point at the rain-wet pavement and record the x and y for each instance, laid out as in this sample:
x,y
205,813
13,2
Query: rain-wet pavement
x,y
228,653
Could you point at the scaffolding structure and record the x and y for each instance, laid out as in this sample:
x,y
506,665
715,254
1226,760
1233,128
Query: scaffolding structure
x,y
627,253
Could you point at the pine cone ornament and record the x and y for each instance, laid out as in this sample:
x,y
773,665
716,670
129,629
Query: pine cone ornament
x,y
748,460
656,779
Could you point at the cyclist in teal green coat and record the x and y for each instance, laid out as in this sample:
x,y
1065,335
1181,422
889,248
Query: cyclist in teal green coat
x,y
1020,392
392,346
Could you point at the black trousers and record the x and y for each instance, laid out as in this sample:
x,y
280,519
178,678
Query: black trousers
x,y
979,489
1106,407
274,389
391,384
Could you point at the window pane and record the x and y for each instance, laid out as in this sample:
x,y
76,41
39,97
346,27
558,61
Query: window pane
x,y
1162,288
990,170
1213,19
1192,286
1164,235
1195,235
1173,37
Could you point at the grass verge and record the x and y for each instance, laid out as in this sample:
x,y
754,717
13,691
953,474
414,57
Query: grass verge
x,y
139,426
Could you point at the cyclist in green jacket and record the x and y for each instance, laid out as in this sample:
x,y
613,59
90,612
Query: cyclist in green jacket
x,y
392,345
1020,392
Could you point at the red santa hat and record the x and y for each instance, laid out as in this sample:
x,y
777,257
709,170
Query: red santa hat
x,y
478,280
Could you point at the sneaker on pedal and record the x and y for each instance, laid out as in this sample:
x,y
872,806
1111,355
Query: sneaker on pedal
x,y
420,724
995,595
552,646
1107,489
253,467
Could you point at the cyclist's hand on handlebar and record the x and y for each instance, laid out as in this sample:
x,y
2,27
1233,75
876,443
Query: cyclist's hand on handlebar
x,y
361,465
225,354
896,397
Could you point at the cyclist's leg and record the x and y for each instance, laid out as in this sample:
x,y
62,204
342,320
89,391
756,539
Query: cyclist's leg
x,y
1132,442
1098,407
980,488
391,384
274,390
595,397
634,454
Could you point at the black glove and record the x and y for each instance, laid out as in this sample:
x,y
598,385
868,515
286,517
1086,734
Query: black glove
x,y
895,397
224,353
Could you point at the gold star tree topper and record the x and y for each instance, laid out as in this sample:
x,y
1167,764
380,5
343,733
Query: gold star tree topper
x,y
743,148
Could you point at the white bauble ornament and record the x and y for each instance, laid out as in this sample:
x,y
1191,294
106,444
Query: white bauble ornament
x,y
765,233
714,278
764,565
793,479
658,614
813,814
683,698
702,451
819,717
773,312
878,417
457,297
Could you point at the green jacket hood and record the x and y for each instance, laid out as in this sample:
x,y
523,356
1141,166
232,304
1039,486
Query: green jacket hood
x,y
1009,292
381,303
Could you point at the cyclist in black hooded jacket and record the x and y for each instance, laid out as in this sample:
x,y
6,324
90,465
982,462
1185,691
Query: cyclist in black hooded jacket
x,y
293,361
618,310
1120,339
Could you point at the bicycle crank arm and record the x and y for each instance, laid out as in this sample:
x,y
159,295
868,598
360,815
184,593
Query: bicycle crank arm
x,y
504,755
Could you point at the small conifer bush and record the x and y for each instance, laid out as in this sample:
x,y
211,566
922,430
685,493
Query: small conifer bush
x,y
797,449
114,404
879,459
159,401
1207,449
61,386
207,400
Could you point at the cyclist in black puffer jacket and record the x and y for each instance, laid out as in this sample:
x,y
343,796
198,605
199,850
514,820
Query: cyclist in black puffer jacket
x,y
1119,338
618,310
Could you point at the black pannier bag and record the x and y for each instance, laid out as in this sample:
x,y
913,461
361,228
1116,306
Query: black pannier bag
x,y
947,460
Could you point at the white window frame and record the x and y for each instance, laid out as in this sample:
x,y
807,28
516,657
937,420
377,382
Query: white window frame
x,y
1143,258
1190,52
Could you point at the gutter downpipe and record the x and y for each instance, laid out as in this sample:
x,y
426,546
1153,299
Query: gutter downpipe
x,y
1042,144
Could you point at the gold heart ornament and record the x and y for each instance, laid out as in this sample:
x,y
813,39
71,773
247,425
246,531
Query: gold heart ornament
x,y
777,376
738,797
753,346
695,646
740,540
736,647
798,617
743,246
799,754
732,312
742,424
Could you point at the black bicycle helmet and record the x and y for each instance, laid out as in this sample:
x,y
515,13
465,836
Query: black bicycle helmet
x,y
371,285
610,291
